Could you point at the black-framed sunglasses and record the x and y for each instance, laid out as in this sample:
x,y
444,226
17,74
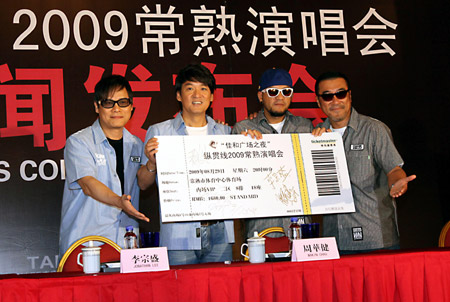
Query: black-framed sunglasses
x,y
273,92
341,94
108,103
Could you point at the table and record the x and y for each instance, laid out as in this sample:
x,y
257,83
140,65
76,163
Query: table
x,y
418,275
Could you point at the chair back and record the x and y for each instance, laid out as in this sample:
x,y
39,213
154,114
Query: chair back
x,y
110,252
278,244
444,238
274,244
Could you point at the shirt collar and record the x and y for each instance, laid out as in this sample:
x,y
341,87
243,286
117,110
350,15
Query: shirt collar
x,y
354,120
180,126
99,135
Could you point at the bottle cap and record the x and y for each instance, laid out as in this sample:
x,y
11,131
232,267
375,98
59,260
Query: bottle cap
x,y
294,219
129,228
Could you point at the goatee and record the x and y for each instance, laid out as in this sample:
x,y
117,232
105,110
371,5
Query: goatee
x,y
277,114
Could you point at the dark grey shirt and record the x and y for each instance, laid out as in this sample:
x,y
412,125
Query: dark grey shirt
x,y
371,155
292,124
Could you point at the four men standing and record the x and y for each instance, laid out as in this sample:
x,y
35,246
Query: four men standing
x,y
105,164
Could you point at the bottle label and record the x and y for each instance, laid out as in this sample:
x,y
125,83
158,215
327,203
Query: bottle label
x,y
130,242
295,233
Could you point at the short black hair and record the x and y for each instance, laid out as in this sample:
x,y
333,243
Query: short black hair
x,y
329,75
195,73
110,84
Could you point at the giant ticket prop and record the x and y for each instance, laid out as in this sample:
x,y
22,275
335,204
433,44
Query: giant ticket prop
x,y
217,177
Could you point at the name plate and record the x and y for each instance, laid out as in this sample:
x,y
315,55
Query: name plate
x,y
314,249
151,259
216,177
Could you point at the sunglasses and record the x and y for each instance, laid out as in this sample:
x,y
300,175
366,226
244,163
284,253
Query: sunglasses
x,y
329,96
107,103
273,92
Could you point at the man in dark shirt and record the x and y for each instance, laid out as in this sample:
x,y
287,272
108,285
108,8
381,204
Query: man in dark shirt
x,y
375,170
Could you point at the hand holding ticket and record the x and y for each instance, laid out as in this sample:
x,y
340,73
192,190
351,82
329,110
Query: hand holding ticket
x,y
233,176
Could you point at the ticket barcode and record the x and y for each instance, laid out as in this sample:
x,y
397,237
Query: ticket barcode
x,y
325,172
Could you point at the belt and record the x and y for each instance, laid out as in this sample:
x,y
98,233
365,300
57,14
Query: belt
x,y
209,222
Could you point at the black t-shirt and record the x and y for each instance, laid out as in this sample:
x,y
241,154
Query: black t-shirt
x,y
118,147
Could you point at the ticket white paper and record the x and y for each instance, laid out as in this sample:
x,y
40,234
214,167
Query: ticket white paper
x,y
217,177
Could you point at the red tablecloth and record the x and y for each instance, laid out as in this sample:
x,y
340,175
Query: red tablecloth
x,y
395,276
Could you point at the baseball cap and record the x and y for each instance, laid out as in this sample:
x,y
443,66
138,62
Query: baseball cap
x,y
274,76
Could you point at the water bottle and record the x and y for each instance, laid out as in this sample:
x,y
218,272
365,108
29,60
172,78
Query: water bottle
x,y
294,231
130,238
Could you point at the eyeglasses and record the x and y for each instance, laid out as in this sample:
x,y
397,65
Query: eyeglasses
x,y
274,92
329,96
107,103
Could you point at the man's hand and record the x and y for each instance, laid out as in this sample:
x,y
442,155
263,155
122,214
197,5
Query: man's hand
x,y
150,149
221,122
126,206
147,173
319,131
400,186
253,133
252,115
100,192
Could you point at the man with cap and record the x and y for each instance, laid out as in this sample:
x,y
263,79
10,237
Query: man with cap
x,y
275,94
